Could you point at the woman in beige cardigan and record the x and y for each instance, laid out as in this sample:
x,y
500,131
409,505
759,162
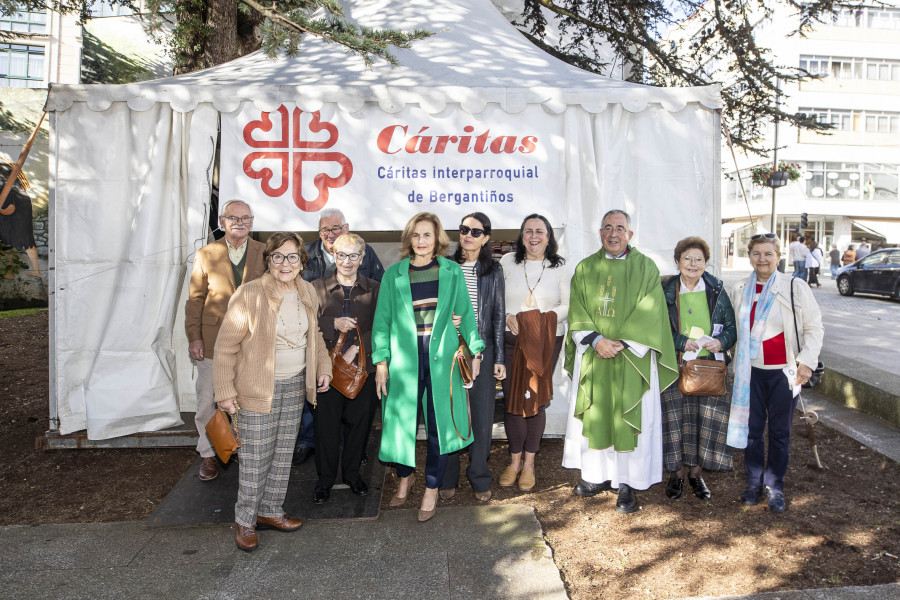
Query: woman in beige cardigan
x,y
269,358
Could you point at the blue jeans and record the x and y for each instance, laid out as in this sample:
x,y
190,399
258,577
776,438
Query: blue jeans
x,y
771,398
435,462
834,270
307,438
800,269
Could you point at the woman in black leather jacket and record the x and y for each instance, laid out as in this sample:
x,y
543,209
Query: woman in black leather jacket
x,y
484,278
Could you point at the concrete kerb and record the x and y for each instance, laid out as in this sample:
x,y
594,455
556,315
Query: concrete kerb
x,y
863,387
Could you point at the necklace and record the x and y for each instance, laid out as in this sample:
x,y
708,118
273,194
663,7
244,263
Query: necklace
x,y
691,301
530,302
284,325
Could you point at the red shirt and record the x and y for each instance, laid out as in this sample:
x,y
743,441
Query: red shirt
x,y
773,349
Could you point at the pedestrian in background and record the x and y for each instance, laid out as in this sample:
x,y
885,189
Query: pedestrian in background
x,y
835,256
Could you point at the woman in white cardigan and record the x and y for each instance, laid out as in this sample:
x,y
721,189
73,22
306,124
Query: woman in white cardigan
x,y
536,278
771,364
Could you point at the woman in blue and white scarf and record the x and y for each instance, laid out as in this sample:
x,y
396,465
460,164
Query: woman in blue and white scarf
x,y
771,364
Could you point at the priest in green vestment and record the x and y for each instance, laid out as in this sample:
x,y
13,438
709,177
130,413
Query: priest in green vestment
x,y
620,354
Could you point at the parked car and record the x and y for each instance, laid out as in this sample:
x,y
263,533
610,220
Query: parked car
x,y
877,273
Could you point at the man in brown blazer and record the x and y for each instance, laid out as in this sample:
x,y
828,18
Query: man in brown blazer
x,y
219,268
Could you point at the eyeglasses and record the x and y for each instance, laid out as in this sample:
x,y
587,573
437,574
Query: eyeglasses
x,y
278,258
618,229
476,233
336,230
342,256
769,236
242,220
693,261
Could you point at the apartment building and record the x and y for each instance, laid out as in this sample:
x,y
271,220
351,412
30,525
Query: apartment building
x,y
850,177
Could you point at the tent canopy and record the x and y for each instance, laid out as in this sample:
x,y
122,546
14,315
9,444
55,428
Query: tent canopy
x,y
131,177
475,57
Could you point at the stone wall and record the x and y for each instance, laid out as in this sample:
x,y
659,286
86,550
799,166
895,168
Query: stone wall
x,y
26,290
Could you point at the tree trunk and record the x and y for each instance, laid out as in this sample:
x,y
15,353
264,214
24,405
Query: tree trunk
x,y
211,32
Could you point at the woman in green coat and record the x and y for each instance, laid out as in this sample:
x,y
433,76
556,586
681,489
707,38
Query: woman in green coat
x,y
413,345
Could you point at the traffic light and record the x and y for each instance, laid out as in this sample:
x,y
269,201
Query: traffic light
x,y
804,221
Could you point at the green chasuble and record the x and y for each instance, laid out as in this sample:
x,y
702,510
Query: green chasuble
x,y
621,300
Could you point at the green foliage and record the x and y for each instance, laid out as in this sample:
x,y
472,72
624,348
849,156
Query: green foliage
x,y
19,312
760,175
11,262
722,51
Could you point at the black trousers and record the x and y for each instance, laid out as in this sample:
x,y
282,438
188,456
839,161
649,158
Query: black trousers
x,y
481,401
335,414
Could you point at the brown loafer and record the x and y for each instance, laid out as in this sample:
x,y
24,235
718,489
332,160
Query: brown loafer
x,y
282,523
508,477
245,538
209,470
526,480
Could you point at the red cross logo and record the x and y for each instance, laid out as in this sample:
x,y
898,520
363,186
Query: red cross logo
x,y
291,152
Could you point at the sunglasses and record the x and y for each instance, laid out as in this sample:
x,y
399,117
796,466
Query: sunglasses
x,y
769,236
476,233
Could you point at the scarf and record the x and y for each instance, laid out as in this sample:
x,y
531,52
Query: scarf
x,y
748,347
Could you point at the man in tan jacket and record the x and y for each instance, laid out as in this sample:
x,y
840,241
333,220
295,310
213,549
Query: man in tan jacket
x,y
219,268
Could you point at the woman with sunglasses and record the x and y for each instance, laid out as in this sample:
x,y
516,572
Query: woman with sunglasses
x,y
537,303
269,357
484,282
702,321
780,335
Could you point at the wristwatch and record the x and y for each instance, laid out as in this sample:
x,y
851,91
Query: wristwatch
x,y
479,356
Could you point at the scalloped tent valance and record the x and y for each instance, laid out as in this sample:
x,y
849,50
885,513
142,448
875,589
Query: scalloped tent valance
x,y
474,59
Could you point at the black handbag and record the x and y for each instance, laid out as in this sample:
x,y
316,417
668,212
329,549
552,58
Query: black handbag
x,y
816,377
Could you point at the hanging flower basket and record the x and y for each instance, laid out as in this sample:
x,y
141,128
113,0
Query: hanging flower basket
x,y
775,177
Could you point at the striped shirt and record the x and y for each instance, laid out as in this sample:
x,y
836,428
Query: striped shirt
x,y
470,271
423,283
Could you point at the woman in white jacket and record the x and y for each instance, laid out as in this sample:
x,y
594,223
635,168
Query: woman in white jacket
x,y
771,363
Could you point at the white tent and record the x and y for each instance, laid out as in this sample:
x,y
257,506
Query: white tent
x,y
131,170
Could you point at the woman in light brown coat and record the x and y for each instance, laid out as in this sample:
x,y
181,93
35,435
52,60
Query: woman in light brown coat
x,y
269,358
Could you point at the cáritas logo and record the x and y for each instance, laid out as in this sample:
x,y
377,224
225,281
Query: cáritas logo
x,y
291,152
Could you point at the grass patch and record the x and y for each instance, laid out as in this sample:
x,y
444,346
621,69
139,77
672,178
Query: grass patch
x,y
19,312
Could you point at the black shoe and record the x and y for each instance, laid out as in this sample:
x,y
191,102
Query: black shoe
x,y
364,460
675,487
700,489
750,496
627,501
776,500
321,495
301,455
586,489
359,488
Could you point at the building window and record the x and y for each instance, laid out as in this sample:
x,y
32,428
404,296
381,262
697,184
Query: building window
x,y
856,120
21,66
852,68
99,9
871,17
24,22
851,181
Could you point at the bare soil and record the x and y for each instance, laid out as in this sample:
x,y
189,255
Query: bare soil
x,y
842,526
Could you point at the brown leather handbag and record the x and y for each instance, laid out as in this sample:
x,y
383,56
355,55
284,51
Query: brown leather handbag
x,y
348,378
222,430
463,360
699,377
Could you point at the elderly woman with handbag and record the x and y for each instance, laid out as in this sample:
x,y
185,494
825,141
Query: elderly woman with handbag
x,y
269,357
347,302
780,336
415,347
695,417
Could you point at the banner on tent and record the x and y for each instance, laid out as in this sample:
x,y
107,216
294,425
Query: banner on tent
x,y
381,168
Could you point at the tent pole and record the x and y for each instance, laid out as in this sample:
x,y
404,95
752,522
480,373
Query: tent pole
x,y
51,271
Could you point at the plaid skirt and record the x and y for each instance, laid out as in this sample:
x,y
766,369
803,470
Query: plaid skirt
x,y
694,431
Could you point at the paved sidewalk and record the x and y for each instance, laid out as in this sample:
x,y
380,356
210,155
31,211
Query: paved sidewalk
x,y
467,552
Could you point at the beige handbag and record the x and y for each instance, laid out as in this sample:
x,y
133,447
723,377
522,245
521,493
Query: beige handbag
x,y
700,377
